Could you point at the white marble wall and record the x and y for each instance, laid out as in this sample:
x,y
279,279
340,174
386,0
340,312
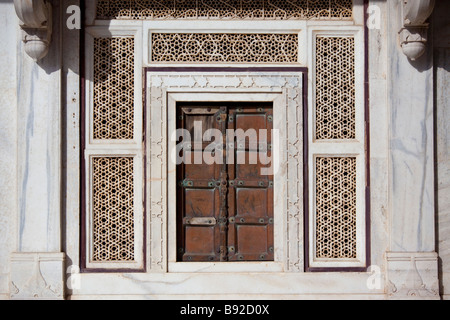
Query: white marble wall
x,y
412,263
410,98
39,150
441,40
379,137
39,166
71,173
442,59
8,120
39,159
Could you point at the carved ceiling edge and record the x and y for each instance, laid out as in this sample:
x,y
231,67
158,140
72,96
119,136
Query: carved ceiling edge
x,y
414,31
36,23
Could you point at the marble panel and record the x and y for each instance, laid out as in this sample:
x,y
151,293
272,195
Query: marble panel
x,y
8,122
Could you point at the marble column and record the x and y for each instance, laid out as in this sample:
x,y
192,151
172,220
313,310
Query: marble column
x,y
412,260
38,263
441,45
8,119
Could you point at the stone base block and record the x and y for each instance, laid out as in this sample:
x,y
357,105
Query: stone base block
x,y
37,276
412,275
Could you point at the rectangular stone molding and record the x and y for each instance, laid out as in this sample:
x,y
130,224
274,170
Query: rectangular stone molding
x,y
37,276
285,91
412,275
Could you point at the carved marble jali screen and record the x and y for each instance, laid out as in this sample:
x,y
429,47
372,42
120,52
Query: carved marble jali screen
x,y
224,9
113,221
113,88
224,47
336,207
335,88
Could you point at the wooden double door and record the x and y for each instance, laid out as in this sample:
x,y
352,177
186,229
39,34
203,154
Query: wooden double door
x,y
225,187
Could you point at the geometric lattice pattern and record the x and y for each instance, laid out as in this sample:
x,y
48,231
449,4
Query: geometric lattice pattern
x,y
335,88
113,114
224,9
112,202
219,47
336,208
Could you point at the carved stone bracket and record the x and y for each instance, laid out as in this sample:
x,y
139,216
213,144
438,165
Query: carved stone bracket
x,y
413,34
412,275
36,23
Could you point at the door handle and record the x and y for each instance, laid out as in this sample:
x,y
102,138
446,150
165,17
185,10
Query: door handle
x,y
200,221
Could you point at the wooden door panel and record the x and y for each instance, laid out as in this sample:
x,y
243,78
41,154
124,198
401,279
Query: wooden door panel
x,y
205,118
225,210
252,242
251,205
249,167
199,198
250,232
253,126
200,203
201,243
199,170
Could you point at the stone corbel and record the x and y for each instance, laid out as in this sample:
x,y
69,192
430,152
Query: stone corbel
x,y
36,22
413,34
